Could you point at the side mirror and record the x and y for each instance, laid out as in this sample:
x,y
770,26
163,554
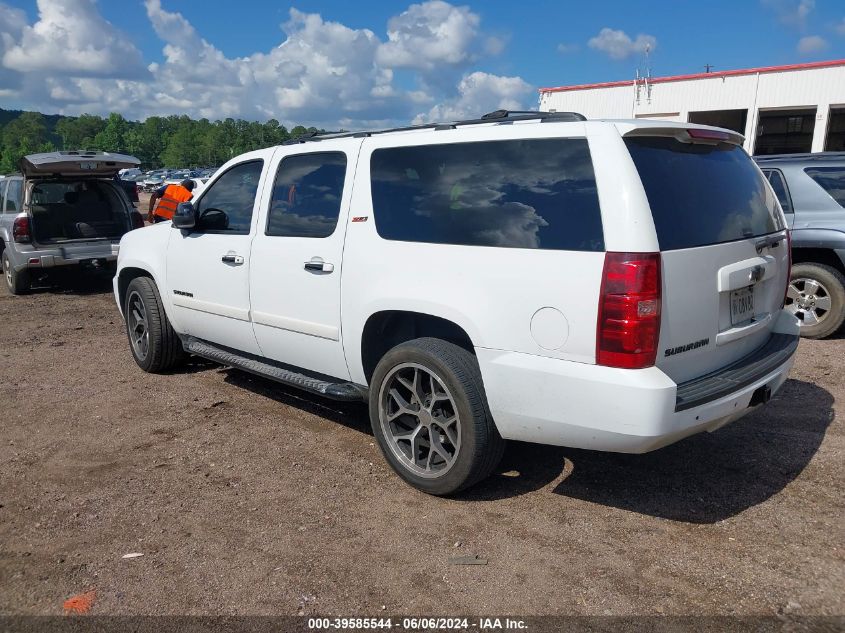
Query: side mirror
x,y
185,216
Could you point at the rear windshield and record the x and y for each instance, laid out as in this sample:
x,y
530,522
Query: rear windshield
x,y
703,194
528,193
831,179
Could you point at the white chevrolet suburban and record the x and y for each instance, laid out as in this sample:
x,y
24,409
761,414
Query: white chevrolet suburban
x,y
610,285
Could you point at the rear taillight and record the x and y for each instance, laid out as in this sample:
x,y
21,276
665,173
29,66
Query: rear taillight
x,y
789,268
20,229
629,310
137,220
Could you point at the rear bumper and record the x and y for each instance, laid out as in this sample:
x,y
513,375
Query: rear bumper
x,y
549,401
38,256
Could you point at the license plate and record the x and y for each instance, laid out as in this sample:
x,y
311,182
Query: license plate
x,y
742,305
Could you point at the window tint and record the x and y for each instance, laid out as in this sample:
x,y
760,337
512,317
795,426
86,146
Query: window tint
x,y
779,186
52,192
3,184
702,194
518,194
13,196
306,195
831,179
227,204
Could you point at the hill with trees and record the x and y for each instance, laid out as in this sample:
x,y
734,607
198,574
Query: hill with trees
x,y
173,141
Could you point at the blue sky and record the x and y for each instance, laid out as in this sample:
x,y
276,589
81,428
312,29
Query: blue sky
x,y
368,62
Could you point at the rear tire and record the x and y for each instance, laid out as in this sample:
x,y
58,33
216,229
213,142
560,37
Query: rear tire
x,y
430,416
154,344
816,295
17,281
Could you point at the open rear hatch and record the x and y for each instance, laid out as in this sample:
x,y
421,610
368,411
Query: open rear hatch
x,y
75,163
723,246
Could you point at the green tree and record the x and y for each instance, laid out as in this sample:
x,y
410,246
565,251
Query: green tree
x,y
181,150
79,132
172,141
27,134
111,138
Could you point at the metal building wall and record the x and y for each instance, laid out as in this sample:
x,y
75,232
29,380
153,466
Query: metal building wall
x,y
673,100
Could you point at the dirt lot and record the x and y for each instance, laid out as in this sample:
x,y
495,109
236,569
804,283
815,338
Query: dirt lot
x,y
248,498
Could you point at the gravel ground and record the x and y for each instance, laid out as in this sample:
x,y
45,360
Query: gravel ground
x,y
248,498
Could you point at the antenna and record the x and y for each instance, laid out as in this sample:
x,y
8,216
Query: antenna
x,y
708,68
643,80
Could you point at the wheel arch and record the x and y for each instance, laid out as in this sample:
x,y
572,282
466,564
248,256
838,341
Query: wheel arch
x,y
815,255
819,245
125,277
385,329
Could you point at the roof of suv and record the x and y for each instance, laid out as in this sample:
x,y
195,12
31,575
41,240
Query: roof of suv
x,y
507,117
802,159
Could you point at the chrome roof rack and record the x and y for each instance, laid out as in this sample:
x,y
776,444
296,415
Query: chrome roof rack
x,y
497,116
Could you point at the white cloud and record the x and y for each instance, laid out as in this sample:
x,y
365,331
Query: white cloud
x,y
811,44
565,48
72,37
480,92
429,36
12,24
322,73
791,12
840,28
618,45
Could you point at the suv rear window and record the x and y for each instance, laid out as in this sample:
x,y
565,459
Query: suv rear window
x,y
527,193
702,194
831,179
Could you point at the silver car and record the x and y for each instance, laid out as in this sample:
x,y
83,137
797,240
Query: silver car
x,y
63,209
811,190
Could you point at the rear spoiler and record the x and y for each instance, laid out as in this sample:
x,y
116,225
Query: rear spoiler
x,y
697,134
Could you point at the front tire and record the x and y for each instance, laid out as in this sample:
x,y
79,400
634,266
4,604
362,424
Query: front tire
x,y
152,340
430,417
816,295
17,281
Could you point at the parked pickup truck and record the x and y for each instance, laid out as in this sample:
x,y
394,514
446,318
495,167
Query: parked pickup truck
x,y
64,209
610,285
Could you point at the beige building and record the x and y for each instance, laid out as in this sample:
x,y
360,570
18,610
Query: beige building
x,y
779,109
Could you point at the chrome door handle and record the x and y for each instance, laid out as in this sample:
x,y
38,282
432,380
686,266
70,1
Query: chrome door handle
x,y
230,258
319,266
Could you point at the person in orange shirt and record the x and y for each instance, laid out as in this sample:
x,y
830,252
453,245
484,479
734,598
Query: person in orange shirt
x,y
169,197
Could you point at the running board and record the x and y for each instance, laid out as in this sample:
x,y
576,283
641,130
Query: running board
x,y
346,391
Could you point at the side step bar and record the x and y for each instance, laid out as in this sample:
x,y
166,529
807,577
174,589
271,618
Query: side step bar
x,y
346,391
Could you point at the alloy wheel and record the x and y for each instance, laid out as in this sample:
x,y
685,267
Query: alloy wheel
x,y
136,324
808,300
7,271
419,419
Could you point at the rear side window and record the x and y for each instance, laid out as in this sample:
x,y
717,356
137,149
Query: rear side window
x,y
306,195
702,194
53,192
528,193
831,179
12,203
778,184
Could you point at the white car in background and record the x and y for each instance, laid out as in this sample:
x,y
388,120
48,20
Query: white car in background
x,y
608,285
